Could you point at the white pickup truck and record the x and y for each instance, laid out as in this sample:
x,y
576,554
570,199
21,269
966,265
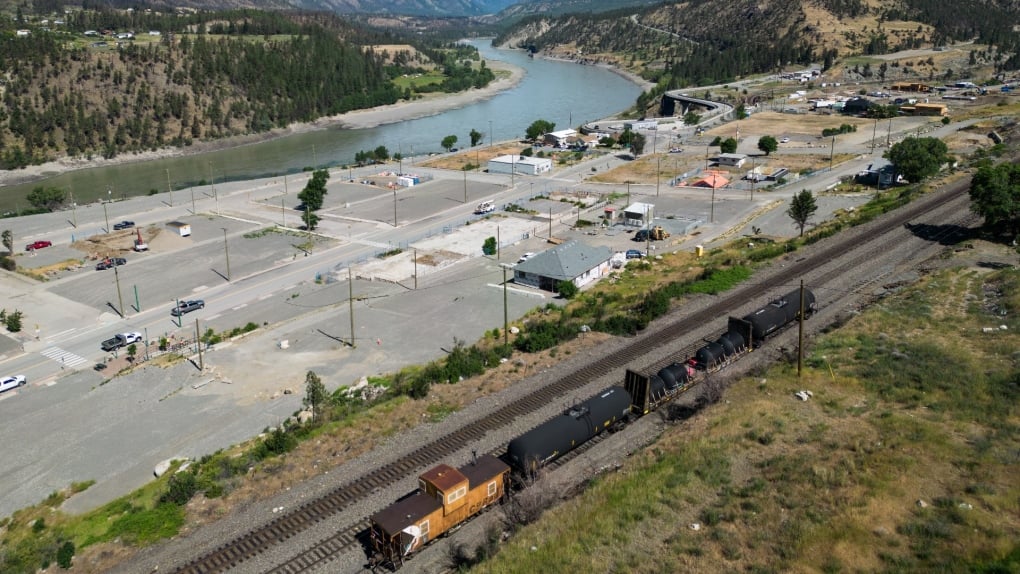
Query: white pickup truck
x,y
485,207
121,340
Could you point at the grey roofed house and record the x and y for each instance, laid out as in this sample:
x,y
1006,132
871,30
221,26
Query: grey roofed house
x,y
571,261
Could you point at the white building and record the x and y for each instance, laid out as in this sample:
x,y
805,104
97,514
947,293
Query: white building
x,y
572,261
642,125
559,138
519,164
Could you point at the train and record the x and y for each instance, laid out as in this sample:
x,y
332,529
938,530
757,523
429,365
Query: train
x,y
448,497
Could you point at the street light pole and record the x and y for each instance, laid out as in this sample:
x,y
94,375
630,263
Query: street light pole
x,y
394,208
465,187
832,150
107,216
169,189
350,303
226,251
711,217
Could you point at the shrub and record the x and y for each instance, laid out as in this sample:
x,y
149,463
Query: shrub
x,y
180,488
65,554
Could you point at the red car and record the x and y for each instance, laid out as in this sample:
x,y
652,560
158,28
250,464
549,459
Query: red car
x,y
38,245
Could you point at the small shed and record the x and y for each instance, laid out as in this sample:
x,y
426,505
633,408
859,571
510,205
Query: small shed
x,y
180,228
731,159
520,164
638,214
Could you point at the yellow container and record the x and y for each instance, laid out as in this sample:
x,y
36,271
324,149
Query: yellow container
x,y
699,250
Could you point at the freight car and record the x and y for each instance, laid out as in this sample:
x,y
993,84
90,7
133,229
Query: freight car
x,y
446,498
569,430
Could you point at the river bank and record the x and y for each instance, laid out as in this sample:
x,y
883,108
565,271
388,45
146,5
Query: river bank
x,y
509,76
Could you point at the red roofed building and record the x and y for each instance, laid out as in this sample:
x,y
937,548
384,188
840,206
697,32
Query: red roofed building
x,y
713,179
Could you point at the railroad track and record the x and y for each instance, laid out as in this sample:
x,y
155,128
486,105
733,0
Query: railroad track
x,y
283,528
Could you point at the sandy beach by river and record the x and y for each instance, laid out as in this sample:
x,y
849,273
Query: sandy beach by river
x,y
429,105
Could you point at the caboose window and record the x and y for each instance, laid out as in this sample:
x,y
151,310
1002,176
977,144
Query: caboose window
x,y
492,488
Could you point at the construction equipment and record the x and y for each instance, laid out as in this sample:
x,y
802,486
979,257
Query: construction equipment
x,y
654,234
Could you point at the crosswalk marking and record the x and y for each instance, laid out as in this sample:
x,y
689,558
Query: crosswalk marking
x,y
63,357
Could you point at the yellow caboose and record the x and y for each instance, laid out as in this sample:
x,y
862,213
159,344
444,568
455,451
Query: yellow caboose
x,y
446,497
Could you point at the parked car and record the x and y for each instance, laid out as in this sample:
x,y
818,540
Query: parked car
x,y
38,245
123,225
187,307
110,263
525,257
120,340
13,382
634,254
784,140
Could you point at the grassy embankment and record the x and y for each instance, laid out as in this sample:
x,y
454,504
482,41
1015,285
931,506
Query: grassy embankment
x,y
905,459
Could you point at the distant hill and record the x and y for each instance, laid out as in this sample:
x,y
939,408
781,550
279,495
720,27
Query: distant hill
x,y
698,43
407,7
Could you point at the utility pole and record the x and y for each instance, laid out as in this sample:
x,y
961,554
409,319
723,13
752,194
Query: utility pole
x,y
888,134
506,331
550,223
350,303
490,134
465,187
415,254
107,217
226,251
198,341
394,208
832,150
74,209
800,332
711,216
120,298
169,189
283,213
497,243
874,133
193,200
658,167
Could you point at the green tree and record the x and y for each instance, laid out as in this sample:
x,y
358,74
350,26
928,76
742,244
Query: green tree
x,y
476,137
7,237
489,246
728,145
741,112
691,119
315,393
802,207
311,220
918,158
132,350
637,144
48,198
13,321
567,289
315,190
995,195
448,142
539,128
381,153
768,144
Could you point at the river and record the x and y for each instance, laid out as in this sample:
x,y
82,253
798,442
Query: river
x,y
564,93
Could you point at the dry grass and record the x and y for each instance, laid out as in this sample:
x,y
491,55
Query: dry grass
x,y
478,156
831,484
